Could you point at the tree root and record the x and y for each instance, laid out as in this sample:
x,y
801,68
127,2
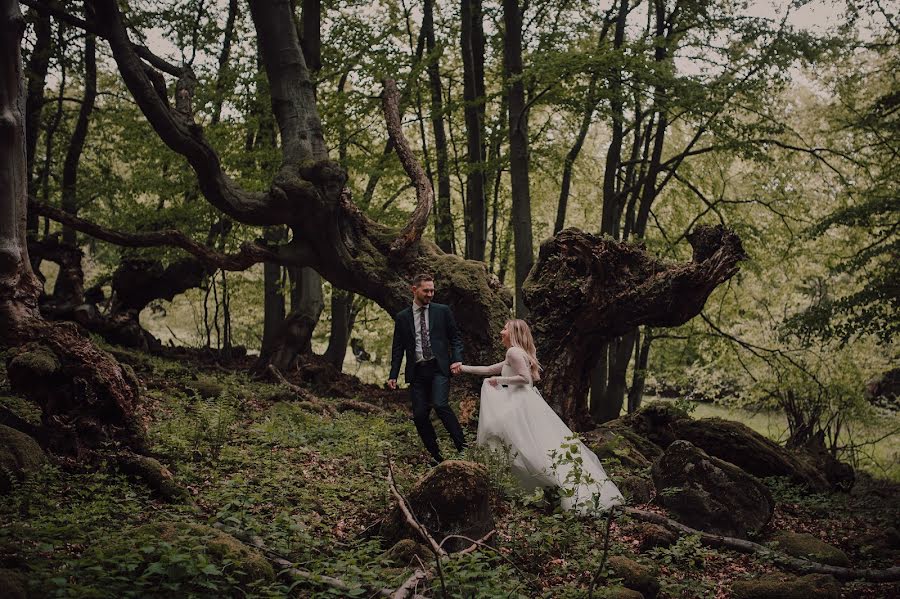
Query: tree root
x,y
795,564
307,398
287,568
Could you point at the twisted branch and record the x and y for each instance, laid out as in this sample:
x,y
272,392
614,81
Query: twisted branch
x,y
412,232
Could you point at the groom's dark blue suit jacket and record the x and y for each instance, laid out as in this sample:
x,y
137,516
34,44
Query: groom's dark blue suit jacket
x,y
446,341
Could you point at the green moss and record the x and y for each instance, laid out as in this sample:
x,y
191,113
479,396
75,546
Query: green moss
x,y
809,547
38,362
635,576
207,388
19,455
153,473
23,408
814,586
222,549
405,552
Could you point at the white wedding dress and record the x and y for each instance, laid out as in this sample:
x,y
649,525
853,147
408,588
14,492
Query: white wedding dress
x,y
514,414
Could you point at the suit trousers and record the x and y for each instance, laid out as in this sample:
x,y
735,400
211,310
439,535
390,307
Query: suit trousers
x,y
431,389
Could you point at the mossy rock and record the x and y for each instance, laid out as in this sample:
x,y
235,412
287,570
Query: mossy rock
x,y
617,443
813,586
453,498
711,494
740,445
619,593
636,489
635,576
654,535
13,584
136,360
153,474
657,422
207,388
25,409
19,455
809,547
224,550
405,552
34,361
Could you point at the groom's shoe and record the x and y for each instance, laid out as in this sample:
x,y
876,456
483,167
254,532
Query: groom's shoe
x,y
434,461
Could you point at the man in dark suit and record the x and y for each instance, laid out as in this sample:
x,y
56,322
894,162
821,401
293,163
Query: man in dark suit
x,y
427,334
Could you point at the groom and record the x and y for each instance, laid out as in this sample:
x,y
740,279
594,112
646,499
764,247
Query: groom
x,y
427,334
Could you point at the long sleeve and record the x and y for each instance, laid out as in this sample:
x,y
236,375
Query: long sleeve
x,y
396,351
518,362
456,342
484,370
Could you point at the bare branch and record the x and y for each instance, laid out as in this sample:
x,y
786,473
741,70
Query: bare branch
x,y
412,232
250,253
178,130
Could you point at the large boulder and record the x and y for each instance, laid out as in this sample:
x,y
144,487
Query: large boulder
x,y
813,586
742,446
452,499
657,422
615,441
809,547
19,455
710,494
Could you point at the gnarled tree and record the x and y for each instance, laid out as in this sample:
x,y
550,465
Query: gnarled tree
x,y
331,235
86,398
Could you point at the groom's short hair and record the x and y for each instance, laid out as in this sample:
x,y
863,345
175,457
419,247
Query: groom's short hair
x,y
418,279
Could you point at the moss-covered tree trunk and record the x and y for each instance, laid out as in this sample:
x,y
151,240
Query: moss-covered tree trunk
x,y
585,290
86,398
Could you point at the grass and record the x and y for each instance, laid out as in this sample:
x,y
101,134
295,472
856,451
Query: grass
x,y
308,485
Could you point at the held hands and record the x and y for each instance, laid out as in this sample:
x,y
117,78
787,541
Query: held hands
x,y
392,384
493,382
456,368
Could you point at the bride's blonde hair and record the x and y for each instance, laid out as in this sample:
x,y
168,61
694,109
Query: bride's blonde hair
x,y
520,336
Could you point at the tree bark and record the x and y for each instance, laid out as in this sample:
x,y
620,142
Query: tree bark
x,y
518,149
341,327
472,44
273,300
38,64
636,392
443,220
585,290
79,136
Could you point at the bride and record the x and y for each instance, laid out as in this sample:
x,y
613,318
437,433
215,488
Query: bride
x,y
546,453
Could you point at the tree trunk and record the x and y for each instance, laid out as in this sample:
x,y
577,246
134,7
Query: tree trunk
x,y
273,300
443,221
38,64
341,327
636,393
472,44
79,136
613,399
85,397
294,336
518,149
585,290
599,374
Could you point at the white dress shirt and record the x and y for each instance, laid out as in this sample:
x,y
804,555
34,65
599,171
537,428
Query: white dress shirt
x,y
417,323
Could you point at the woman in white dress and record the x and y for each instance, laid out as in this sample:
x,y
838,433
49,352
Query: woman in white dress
x,y
514,414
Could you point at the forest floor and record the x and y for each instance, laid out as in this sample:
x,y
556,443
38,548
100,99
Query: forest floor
x,y
309,485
